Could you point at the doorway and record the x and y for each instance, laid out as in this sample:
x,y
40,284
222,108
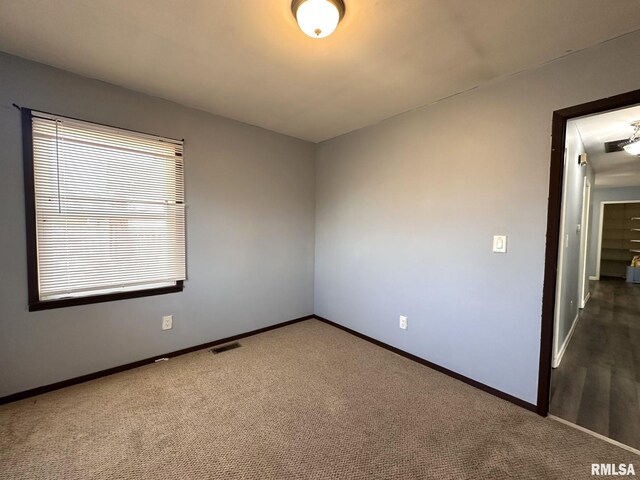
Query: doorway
x,y
618,235
570,248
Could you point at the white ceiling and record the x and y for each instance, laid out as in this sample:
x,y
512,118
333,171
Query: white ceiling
x,y
615,169
247,60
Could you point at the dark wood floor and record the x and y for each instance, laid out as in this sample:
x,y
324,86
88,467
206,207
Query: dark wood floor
x,y
597,385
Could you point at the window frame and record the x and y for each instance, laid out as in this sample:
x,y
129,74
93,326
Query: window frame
x,y
34,302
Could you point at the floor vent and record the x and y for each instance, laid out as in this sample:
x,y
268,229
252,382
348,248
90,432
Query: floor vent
x,y
224,348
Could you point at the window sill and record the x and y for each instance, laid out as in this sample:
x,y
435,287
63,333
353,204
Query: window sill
x,y
70,302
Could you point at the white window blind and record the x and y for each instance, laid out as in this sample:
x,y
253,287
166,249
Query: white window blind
x,y
110,212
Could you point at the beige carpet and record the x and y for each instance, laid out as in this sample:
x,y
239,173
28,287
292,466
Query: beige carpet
x,y
306,401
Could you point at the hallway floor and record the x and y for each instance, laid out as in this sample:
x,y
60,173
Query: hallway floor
x,y
597,384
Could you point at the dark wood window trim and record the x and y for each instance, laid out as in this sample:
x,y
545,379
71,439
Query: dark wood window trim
x,y
34,301
70,302
558,133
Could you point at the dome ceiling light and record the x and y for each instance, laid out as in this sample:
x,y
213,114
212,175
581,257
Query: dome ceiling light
x,y
318,18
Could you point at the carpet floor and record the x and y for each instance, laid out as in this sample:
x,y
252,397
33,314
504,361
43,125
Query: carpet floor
x,y
307,401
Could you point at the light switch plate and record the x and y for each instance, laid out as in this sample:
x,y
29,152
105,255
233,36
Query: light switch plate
x,y
500,244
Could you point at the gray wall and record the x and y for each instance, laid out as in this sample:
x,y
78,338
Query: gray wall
x,y
406,210
250,234
567,299
599,195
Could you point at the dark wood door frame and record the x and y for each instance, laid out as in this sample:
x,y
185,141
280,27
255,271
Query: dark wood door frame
x,y
558,133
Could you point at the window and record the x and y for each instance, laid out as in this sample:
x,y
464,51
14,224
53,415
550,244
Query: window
x,y
105,212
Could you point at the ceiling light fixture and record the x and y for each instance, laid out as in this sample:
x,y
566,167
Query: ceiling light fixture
x,y
632,145
318,18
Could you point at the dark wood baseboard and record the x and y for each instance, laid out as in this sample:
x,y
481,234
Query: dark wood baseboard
x,y
110,371
446,371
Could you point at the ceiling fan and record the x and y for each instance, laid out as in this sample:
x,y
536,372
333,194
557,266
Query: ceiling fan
x,y
632,145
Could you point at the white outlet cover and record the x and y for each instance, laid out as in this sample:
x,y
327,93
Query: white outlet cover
x,y
403,322
167,322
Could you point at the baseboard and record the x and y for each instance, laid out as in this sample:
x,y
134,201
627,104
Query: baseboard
x,y
586,299
558,358
110,371
593,277
121,368
446,371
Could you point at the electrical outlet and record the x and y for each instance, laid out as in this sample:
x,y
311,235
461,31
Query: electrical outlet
x,y
167,322
403,322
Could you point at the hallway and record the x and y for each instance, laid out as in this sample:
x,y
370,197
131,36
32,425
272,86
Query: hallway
x,y
597,385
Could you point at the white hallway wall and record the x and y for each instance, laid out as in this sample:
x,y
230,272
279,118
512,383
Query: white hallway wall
x,y
406,210
567,299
